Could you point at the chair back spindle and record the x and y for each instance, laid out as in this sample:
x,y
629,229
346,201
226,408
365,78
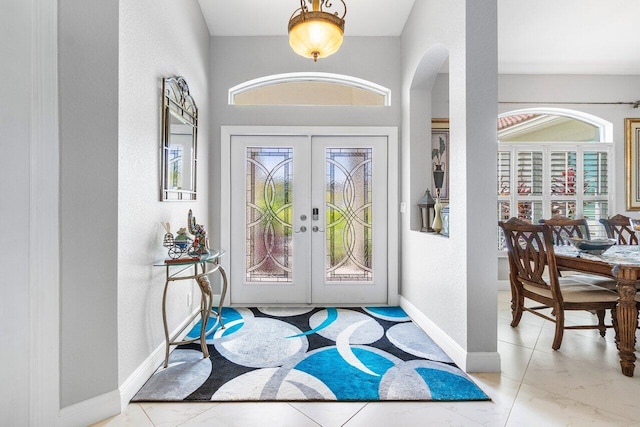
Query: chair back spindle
x,y
563,228
618,227
531,256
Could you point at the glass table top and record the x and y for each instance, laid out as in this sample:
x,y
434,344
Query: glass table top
x,y
616,254
212,256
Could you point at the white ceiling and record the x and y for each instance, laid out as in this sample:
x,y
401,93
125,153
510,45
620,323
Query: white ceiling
x,y
270,17
540,37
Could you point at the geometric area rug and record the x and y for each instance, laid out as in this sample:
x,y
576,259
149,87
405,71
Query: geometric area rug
x,y
311,354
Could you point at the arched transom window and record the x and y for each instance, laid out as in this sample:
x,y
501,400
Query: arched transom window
x,y
309,89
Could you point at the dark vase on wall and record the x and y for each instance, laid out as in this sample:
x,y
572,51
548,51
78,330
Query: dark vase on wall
x,y
438,177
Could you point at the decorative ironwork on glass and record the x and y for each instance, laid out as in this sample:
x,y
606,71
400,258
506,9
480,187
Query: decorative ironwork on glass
x,y
269,214
349,230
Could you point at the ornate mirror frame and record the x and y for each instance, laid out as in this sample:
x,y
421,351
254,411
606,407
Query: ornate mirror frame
x,y
179,141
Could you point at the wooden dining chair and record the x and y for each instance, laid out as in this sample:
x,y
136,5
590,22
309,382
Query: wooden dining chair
x,y
618,227
534,276
562,228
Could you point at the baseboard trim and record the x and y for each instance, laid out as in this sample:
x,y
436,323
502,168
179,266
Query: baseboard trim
x,y
91,410
139,377
113,403
467,361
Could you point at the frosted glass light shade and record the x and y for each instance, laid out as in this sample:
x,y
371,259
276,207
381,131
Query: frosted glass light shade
x,y
316,34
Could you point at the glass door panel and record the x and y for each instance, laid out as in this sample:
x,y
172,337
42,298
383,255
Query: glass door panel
x,y
349,230
269,196
269,211
349,177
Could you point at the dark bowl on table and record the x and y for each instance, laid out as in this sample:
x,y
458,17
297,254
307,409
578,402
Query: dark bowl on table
x,y
593,247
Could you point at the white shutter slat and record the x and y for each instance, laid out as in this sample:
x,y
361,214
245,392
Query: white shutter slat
x,y
563,173
529,173
595,173
504,173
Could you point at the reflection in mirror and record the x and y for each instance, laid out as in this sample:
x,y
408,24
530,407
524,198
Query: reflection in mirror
x,y
179,141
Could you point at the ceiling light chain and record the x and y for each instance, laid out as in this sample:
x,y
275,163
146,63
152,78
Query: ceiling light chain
x,y
316,33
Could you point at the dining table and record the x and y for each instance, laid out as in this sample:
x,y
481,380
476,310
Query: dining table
x,y
621,262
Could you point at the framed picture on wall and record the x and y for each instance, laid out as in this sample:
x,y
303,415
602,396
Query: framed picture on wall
x,y
440,154
632,165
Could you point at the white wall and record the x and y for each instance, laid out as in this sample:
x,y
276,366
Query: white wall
x,y
88,85
452,281
237,59
15,32
157,39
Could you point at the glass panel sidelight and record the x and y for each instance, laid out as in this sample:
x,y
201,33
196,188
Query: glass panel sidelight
x,y
269,214
349,232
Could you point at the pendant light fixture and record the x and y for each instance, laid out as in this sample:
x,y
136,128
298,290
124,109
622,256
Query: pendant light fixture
x,y
316,33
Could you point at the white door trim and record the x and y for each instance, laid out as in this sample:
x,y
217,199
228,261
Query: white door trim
x,y
392,185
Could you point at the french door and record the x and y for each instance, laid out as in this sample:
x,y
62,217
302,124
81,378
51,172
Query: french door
x,y
308,219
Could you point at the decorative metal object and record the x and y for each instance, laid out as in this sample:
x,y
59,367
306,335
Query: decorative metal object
x,y
200,241
427,212
316,33
179,141
177,246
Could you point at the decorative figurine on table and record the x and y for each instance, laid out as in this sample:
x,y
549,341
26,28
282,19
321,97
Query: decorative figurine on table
x,y
182,240
169,242
200,244
178,245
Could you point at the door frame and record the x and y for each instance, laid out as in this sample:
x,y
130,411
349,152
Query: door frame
x,y
391,133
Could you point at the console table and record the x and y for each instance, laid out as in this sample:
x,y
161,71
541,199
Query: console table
x,y
196,269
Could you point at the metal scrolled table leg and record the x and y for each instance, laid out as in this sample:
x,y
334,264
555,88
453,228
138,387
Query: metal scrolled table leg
x,y
223,293
167,340
206,302
222,296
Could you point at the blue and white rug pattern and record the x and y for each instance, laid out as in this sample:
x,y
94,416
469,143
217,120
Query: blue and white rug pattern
x,y
311,354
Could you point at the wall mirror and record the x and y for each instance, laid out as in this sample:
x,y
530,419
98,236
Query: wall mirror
x,y
179,141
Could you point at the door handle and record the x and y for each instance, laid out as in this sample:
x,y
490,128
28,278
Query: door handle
x,y
302,229
316,229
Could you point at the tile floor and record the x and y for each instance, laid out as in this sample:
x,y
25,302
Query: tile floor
x,y
578,385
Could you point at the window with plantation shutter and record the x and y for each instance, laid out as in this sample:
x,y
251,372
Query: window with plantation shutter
x,y
529,167
595,173
563,173
504,173
539,177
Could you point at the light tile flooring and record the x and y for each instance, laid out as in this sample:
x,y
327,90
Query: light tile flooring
x,y
579,385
